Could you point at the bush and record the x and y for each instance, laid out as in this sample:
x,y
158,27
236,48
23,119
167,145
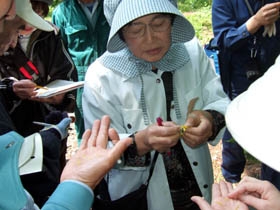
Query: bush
x,y
189,5
201,20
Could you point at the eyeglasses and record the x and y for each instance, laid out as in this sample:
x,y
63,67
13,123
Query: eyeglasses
x,y
137,30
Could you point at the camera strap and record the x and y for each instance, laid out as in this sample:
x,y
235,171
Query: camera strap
x,y
250,8
254,49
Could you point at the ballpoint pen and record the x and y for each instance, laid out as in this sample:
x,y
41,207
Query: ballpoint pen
x,y
41,87
42,123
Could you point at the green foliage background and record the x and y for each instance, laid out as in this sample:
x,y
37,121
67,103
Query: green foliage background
x,y
198,12
189,5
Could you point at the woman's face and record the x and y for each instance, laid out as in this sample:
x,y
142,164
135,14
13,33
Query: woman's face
x,y
149,37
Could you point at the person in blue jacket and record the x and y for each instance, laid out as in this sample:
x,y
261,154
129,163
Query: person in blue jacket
x,y
79,177
248,35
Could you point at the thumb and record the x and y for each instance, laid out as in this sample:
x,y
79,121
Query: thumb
x,y
193,120
203,205
120,147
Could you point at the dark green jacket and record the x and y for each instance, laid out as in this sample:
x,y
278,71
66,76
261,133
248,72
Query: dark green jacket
x,y
85,43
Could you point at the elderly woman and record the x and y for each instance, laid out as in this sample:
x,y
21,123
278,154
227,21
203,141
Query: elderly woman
x,y
154,68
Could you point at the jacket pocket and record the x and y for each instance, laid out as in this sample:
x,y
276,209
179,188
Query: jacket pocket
x,y
76,36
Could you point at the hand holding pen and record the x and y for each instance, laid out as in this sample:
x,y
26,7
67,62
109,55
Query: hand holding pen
x,y
24,89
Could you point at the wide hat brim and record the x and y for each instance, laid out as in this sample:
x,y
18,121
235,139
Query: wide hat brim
x,y
31,155
24,10
129,10
253,118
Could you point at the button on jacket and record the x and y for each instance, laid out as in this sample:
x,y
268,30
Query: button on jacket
x,y
107,92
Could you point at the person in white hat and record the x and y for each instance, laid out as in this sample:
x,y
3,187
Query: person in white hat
x,y
154,67
78,180
255,114
25,12
43,59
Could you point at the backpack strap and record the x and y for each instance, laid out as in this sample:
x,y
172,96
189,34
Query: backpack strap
x,y
152,167
102,187
250,8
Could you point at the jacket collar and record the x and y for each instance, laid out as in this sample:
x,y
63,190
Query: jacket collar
x,y
126,64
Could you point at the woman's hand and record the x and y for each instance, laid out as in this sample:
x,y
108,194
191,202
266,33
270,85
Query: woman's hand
x,y
199,128
159,138
220,201
259,194
93,160
266,15
51,100
24,89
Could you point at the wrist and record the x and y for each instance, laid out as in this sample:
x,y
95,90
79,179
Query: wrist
x,y
253,25
218,122
141,143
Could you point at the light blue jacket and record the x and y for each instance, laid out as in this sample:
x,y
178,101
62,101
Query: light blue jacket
x,y
69,195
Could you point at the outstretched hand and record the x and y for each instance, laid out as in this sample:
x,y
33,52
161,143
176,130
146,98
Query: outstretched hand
x,y
220,200
93,160
259,194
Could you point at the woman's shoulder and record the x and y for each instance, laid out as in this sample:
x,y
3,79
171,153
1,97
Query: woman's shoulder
x,y
193,45
194,49
97,71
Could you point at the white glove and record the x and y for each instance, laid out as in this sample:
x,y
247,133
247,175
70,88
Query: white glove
x,y
269,30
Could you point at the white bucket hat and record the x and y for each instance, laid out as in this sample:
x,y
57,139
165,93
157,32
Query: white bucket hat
x,y
24,10
253,118
120,12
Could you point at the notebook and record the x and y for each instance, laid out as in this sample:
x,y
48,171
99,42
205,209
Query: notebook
x,y
57,87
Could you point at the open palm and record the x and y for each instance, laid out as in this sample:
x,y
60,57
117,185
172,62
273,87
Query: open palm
x,y
220,200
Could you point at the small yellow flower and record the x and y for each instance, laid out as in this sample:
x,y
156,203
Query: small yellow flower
x,y
183,128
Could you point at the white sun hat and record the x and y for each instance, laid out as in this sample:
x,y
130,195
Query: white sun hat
x,y
18,156
24,10
120,12
253,118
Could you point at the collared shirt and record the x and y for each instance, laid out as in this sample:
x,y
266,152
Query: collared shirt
x,y
89,10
